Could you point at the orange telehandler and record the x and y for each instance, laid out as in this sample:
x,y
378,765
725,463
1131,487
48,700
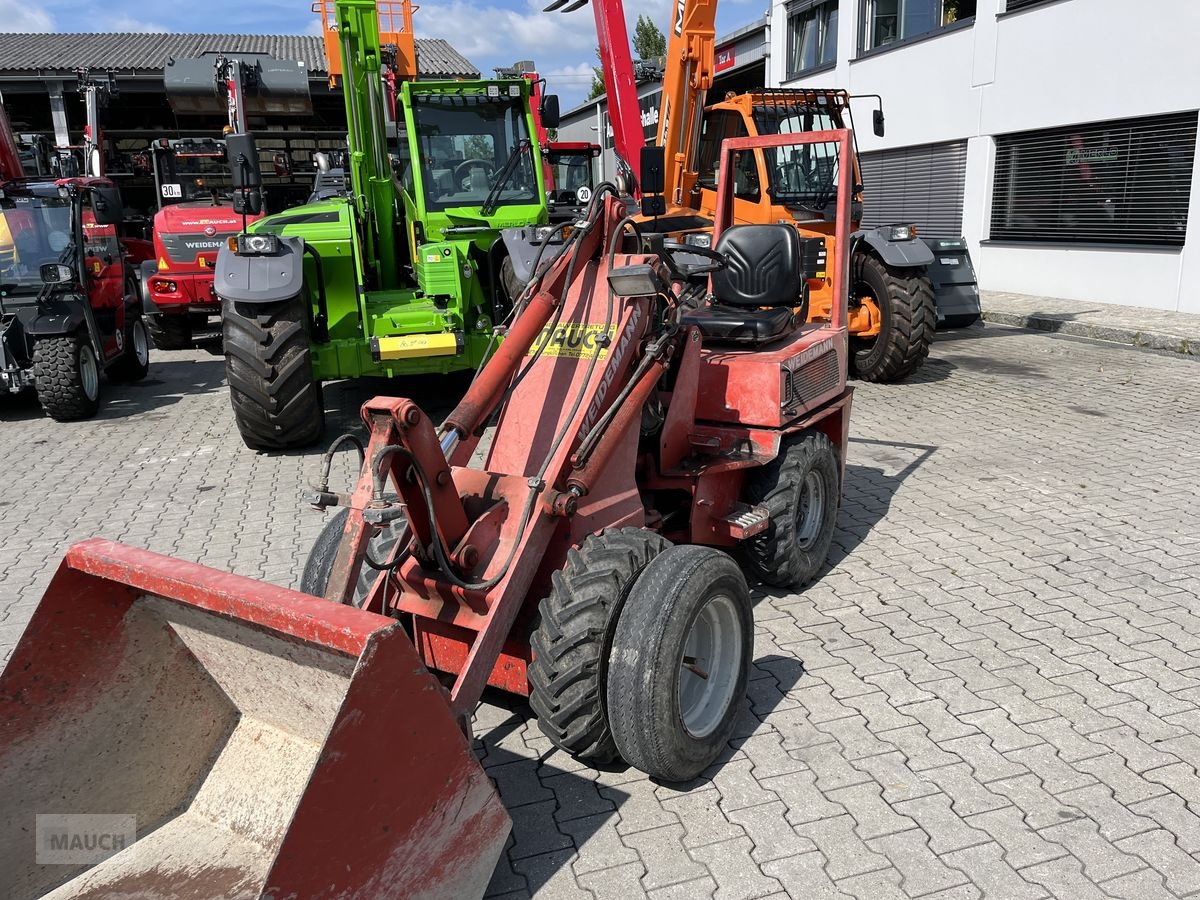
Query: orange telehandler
x,y
892,306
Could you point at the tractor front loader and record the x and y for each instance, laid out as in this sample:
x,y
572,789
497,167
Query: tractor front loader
x,y
402,274
667,429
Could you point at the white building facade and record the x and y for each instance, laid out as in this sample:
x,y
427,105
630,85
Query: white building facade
x,y
1057,136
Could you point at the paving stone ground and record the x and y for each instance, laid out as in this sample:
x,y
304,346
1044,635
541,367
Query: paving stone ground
x,y
993,691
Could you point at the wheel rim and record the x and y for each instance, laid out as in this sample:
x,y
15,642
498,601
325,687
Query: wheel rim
x,y
89,373
709,666
810,509
141,344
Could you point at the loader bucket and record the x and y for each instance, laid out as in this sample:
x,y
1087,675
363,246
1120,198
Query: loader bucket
x,y
279,86
268,743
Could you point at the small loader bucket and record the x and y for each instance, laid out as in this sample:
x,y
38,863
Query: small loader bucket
x,y
266,743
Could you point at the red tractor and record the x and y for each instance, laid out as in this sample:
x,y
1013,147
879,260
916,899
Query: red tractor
x,y
68,304
195,218
661,415
197,209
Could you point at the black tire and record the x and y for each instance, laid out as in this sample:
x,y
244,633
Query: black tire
x,y
276,402
134,363
512,285
572,636
908,320
668,722
169,332
324,549
61,377
800,487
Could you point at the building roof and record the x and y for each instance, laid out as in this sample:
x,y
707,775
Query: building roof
x,y
144,53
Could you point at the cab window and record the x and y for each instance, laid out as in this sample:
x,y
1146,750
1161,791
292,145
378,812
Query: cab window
x,y
719,125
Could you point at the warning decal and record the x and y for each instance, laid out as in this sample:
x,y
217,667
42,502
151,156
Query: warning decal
x,y
574,340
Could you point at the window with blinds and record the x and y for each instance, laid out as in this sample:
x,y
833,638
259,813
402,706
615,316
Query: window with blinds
x,y
1118,182
811,36
918,185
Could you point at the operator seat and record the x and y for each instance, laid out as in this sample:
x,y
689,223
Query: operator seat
x,y
764,270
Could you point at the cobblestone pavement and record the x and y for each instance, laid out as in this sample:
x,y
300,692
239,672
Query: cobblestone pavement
x,y
995,689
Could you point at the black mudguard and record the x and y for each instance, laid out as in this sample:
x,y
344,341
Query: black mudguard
x,y
522,245
261,279
148,269
57,316
910,254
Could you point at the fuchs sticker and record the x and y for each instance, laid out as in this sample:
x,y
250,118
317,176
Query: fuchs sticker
x,y
680,6
573,340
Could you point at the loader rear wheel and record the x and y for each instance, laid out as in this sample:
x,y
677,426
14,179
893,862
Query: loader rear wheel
x,y
572,637
800,489
66,376
135,363
276,402
324,549
679,663
908,318
169,332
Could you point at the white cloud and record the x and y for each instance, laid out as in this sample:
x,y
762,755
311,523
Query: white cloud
x,y
562,45
24,17
132,24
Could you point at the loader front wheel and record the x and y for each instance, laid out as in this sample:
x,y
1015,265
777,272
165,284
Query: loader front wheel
x,y
324,549
573,634
66,377
908,318
277,403
680,662
800,489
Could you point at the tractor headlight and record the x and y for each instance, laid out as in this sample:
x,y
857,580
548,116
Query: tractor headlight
x,y
257,244
514,90
493,90
698,239
902,232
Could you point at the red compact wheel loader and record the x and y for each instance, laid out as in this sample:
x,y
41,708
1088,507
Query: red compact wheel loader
x,y
68,308
664,425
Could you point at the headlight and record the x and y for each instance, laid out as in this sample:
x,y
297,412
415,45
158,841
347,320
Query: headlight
x,y
698,239
543,232
902,232
257,244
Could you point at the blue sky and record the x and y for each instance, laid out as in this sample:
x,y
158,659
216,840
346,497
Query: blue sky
x,y
488,32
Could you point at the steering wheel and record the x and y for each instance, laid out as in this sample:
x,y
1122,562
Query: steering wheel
x,y
716,261
491,167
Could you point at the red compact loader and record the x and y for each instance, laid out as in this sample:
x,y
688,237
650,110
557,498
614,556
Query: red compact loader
x,y
661,416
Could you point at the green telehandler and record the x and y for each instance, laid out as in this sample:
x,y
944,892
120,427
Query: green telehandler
x,y
398,274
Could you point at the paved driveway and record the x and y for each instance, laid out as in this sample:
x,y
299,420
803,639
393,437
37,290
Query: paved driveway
x,y
995,690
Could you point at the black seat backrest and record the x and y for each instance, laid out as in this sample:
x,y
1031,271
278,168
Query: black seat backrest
x,y
764,266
